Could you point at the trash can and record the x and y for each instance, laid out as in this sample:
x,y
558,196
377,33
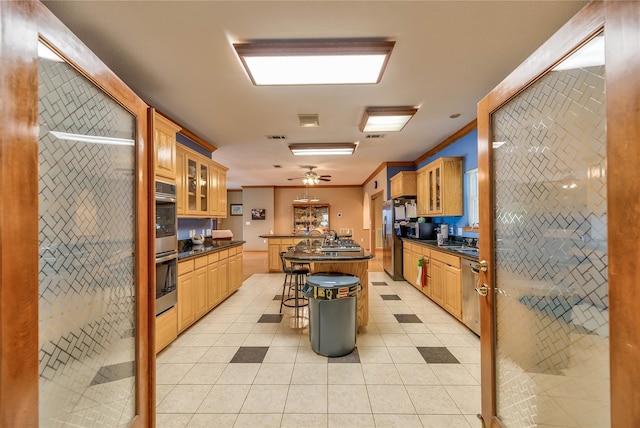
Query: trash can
x,y
333,312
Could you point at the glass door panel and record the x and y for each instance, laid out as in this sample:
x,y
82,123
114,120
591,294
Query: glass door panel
x,y
204,189
87,285
550,241
192,185
438,202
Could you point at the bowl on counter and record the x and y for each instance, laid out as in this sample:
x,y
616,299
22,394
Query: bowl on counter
x,y
197,240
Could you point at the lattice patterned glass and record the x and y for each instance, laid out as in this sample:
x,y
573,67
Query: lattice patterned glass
x,y
552,304
86,234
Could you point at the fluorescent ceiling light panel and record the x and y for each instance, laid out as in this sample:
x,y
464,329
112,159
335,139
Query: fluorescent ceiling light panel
x,y
94,139
319,62
386,119
322,149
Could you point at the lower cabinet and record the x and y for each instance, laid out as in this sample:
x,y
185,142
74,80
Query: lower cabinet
x,y
166,328
204,282
443,279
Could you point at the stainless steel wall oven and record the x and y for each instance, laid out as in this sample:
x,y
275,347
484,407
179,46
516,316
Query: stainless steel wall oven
x,y
166,246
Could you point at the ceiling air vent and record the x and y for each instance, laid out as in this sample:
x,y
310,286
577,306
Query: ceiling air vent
x,y
375,136
309,120
276,137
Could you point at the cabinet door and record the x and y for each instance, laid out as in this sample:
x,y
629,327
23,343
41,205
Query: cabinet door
x,y
426,267
222,193
200,292
203,189
213,288
437,282
223,278
406,261
164,147
434,179
214,200
275,264
453,291
422,193
186,310
181,182
238,270
191,175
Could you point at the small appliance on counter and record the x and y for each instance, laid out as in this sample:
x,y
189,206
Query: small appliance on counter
x,y
422,230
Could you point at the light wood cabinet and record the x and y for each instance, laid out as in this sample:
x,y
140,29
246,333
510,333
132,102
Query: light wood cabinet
x,y
201,185
307,217
403,184
166,328
275,264
164,147
437,282
440,189
186,307
200,302
204,282
453,291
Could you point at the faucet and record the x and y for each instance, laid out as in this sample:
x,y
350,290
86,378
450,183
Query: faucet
x,y
333,237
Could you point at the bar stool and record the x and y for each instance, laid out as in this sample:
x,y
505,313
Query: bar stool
x,y
294,278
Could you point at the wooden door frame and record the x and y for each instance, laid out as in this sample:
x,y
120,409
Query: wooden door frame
x,y
23,24
372,221
622,35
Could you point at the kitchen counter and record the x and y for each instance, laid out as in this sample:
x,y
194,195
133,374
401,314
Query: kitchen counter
x,y
197,251
294,235
465,254
351,262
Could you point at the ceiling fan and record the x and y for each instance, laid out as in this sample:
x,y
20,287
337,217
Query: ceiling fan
x,y
311,177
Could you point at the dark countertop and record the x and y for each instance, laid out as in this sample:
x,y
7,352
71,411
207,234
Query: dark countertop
x,y
313,253
198,251
434,244
290,235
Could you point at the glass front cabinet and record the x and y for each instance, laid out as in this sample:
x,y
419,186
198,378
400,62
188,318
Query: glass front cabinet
x,y
308,217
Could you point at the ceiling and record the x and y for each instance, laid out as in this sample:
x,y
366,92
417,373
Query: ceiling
x,y
177,56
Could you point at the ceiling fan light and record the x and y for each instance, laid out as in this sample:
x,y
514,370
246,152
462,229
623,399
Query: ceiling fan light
x,y
386,119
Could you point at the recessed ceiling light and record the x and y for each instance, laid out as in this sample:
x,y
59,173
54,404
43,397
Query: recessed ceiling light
x,y
309,120
315,62
322,149
386,119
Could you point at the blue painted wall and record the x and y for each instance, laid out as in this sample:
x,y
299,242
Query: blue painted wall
x,y
466,147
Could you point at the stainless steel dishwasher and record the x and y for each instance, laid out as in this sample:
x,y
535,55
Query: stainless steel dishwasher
x,y
470,303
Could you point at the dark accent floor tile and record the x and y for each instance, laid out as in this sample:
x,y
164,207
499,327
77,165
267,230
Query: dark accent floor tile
x,y
437,355
380,283
271,318
114,372
353,357
407,318
277,297
390,297
250,354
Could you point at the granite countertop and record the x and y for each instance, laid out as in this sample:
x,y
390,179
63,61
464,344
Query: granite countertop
x,y
291,235
313,253
212,247
460,252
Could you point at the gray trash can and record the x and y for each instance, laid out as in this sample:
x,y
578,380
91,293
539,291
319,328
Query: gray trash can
x,y
333,312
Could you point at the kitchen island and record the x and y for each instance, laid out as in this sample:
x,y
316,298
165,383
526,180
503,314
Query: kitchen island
x,y
354,262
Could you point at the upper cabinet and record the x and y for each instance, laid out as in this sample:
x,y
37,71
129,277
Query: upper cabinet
x,y
403,184
439,188
164,147
201,185
308,217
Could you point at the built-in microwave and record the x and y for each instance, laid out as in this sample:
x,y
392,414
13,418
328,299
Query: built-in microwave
x,y
423,231
166,218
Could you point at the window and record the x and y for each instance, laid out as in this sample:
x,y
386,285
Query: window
x,y
471,185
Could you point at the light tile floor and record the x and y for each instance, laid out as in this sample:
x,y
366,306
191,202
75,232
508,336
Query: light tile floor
x,y
390,384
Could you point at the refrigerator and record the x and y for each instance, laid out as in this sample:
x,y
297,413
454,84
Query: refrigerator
x,y
395,214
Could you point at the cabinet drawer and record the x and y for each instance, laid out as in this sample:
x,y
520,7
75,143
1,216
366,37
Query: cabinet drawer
x,y
273,241
212,258
446,258
200,262
407,246
224,254
185,267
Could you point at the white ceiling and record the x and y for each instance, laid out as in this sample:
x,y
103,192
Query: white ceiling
x,y
177,56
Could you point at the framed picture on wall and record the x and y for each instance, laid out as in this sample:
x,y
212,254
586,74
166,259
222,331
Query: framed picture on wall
x,y
235,209
258,214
